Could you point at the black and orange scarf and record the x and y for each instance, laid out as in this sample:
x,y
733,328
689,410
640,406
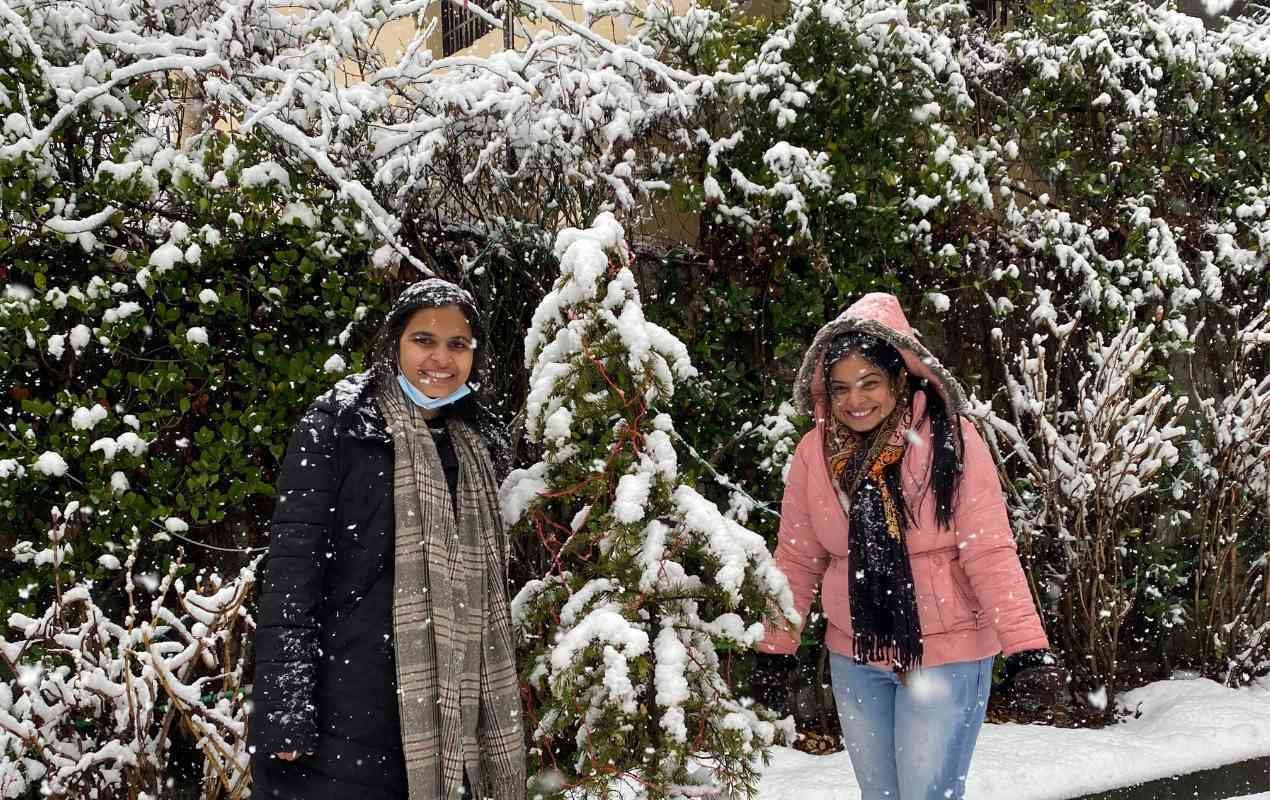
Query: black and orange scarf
x,y
865,469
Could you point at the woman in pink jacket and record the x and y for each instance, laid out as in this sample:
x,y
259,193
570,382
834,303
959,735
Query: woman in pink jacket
x,y
893,507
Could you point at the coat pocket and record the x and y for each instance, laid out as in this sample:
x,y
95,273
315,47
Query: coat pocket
x,y
943,605
961,581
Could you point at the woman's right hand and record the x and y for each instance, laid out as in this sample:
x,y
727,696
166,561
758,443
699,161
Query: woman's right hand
x,y
292,756
770,680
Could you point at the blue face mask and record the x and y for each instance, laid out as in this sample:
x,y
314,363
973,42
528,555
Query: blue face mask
x,y
431,403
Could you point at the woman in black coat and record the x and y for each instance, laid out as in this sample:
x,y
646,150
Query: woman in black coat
x,y
326,721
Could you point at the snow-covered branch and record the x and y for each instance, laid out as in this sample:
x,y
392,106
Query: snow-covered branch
x,y
93,691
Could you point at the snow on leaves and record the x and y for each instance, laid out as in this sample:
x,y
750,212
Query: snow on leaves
x,y
961,105
777,88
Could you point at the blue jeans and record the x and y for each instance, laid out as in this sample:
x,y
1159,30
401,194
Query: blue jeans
x,y
911,741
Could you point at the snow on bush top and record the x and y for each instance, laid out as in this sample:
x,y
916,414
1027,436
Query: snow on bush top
x,y
559,326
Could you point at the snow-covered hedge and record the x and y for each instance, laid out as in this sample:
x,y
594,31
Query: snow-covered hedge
x,y
170,306
1091,174
154,365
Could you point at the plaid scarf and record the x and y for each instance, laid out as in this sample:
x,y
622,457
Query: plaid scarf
x,y
456,671
883,604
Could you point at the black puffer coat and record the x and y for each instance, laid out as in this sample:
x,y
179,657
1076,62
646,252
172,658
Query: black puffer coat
x,y
325,675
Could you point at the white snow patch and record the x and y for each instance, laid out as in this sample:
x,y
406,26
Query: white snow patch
x,y
520,490
11,467
299,213
165,257
85,419
51,464
120,312
334,364
1181,726
631,496
80,336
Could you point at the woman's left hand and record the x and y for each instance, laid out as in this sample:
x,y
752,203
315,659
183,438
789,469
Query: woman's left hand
x,y
1034,679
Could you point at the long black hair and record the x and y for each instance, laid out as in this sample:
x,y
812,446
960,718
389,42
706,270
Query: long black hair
x,y
945,477
473,409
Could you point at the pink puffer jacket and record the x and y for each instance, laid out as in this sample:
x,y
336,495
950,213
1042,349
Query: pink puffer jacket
x,y
973,599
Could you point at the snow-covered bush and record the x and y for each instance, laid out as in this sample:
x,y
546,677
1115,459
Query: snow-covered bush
x,y
1230,461
535,137
1130,200
153,367
845,146
1089,461
626,641
549,134
99,696
170,306
1065,148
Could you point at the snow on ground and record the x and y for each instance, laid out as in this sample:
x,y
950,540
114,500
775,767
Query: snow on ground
x,y
1182,726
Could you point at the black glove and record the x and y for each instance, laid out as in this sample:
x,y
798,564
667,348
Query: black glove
x,y
1034,679
769,682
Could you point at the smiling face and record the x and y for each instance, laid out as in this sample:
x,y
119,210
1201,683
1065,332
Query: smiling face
x,y
861,392
436,350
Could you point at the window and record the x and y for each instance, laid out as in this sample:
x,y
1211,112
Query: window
x,y
459,26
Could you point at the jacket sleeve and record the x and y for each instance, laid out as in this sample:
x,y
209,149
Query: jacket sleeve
x,y
284,715
988,553
798,554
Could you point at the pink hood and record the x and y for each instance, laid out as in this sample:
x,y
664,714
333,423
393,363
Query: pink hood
x,y
878,314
